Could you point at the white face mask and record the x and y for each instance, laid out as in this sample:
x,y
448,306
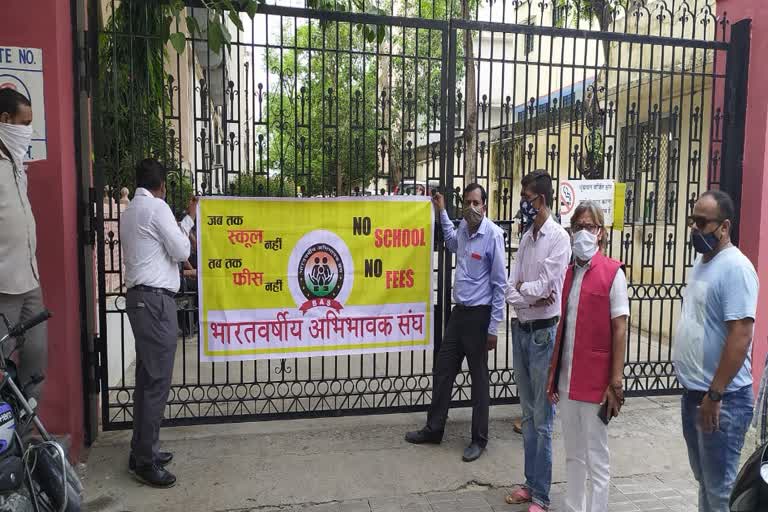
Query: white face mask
x,y
584,245
16,138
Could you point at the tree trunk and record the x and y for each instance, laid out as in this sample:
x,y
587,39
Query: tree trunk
x,y
395,122
592,166
592,101
470,124
393,168
340,189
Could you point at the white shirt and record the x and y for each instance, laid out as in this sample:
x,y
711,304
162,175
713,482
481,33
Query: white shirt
x,y
540,265
18,238
619,301
153,242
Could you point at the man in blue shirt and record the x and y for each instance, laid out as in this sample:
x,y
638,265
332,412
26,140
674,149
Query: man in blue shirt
x,y
712,351
478,292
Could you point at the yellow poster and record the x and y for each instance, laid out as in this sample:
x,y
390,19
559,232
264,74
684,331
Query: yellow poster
x,y
618,206
305,277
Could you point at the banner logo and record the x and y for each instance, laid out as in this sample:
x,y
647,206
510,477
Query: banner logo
x,y
323,271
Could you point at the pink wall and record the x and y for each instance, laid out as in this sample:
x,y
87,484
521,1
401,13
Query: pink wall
x,y
754,206
47,24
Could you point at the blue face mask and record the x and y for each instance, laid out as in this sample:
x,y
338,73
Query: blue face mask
x,y
704,243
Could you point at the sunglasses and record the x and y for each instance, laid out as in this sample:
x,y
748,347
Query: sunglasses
x,y
700,222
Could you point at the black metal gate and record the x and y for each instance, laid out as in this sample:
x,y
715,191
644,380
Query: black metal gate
x,y
431,96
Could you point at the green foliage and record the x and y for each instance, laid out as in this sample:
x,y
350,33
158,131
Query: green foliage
x,y
321,136
179,190
370,33
131,94
257,185
603,11
217,32
326,103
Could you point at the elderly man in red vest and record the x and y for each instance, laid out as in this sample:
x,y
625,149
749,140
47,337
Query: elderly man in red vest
x,y
587,368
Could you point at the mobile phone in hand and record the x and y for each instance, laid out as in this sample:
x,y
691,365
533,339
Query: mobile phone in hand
x,y
603,413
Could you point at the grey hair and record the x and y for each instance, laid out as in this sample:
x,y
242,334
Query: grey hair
x,y
596,211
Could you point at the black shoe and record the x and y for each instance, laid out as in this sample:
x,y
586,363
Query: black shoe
x,y
163,459
155,476
424,436
472,452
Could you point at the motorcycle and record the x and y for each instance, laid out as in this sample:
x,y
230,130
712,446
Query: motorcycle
x,y
35,475
750,491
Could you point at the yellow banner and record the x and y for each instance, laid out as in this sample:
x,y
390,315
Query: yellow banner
x,y
309,277
619,205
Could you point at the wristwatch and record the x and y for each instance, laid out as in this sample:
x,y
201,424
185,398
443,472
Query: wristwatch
x,y
714,396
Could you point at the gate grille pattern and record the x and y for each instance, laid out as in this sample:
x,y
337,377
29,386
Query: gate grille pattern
x,y
336,102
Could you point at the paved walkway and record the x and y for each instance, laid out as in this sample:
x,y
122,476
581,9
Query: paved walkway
x,y
363,464
644,493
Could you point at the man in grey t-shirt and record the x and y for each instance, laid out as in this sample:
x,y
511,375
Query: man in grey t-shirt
x,y
712,351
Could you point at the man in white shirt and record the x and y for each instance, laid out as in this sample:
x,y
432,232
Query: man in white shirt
x,y
534,289
153,246
21,296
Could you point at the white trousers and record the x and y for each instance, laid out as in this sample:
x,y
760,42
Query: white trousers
x,y
586,454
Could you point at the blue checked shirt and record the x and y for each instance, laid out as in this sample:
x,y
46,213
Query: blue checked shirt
x,y
481,275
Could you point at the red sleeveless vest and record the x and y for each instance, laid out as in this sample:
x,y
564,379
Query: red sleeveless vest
x,y
593,343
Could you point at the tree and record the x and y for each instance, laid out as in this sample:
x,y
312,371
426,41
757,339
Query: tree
x,y
470,125
382,117
413,100
320,111
131,95
251,184
216,31
604,12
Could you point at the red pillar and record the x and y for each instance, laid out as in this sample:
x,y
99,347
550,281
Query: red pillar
x,y
47,24
754,206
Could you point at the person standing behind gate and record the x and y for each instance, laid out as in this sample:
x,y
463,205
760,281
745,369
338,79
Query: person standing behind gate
x,y
534,290
21,296
473,325
712,351
587,366
153,246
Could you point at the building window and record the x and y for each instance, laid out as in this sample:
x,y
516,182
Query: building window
x,y
644,165
529,37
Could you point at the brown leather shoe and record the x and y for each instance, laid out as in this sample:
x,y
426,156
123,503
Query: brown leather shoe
x,y
517,425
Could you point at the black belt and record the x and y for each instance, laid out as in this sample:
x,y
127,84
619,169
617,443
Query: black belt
x,y
152,289
699,395
537,325
462,307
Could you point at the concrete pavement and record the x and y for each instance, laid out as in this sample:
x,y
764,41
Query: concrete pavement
x,y
363,463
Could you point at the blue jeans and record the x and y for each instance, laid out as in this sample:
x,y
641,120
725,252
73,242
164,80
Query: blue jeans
x,y
714,457
531,356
